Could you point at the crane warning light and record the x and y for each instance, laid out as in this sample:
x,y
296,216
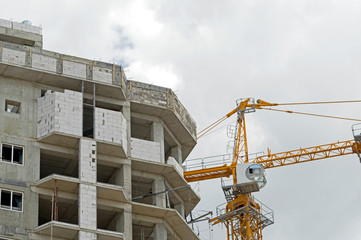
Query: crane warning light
x,y
250,177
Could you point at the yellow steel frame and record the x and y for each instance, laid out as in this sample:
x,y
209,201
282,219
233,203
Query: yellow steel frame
x,y
281,159
245,226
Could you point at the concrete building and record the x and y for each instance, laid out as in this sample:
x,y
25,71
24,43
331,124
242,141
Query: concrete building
x,y
86,153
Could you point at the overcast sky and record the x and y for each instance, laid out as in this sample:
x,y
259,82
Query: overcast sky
x,y
212,53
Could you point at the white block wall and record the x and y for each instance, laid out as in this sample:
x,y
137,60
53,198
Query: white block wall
x,y
87,160
87,206
110,126
102,74
60,112
13,56
43,62
87,189
74,69
173,162
87,236
145,150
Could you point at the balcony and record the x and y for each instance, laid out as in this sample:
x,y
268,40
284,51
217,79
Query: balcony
x,y
61,122
67,225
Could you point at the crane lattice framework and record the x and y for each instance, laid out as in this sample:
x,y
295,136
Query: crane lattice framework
x,y
243,215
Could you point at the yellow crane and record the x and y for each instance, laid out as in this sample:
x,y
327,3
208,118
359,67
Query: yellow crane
x,y
243,216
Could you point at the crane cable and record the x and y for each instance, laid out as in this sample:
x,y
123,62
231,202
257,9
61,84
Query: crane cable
x,y
305,103
210,127
219,121
311,114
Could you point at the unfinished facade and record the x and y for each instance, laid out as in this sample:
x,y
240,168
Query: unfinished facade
x,y
85,153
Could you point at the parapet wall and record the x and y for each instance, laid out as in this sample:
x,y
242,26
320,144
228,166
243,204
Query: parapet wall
x,y
20,26
82,69
160,97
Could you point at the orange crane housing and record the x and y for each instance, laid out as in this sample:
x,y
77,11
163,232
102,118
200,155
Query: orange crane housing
x,y
243,215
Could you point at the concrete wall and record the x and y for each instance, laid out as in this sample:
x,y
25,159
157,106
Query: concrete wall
x,y
160,97
20,26
5,23
19,129
87,189
110,126
173,162
13,56
87,236
87,161
87,207
74,69
145,150
26,28
60,112
37,58
43,62
102,74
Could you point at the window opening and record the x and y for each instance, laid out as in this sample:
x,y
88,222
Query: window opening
x,y
88,109
11,200
6,199
6,152
12,106
17,201
12,154
18,155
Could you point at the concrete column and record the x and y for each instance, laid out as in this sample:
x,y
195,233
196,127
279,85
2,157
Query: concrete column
x,y
87,204
159,199
87,161
123,177
176,152
126,114
87,235
158,136
180,209
160,231
124,223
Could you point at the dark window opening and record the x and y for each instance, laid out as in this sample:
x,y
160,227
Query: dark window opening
x,y
88,121
43,91
12,106
18,155
5,199
6,152
17,203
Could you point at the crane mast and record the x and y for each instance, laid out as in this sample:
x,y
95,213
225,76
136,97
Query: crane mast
x,y
243,215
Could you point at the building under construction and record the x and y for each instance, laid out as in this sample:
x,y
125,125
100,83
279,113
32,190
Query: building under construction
x,y
86,153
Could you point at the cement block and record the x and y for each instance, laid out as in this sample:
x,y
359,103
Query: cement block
x,y
102,74
43,62
146,150
13,56
74,69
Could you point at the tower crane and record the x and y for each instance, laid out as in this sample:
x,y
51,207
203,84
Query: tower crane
x,y
243,215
